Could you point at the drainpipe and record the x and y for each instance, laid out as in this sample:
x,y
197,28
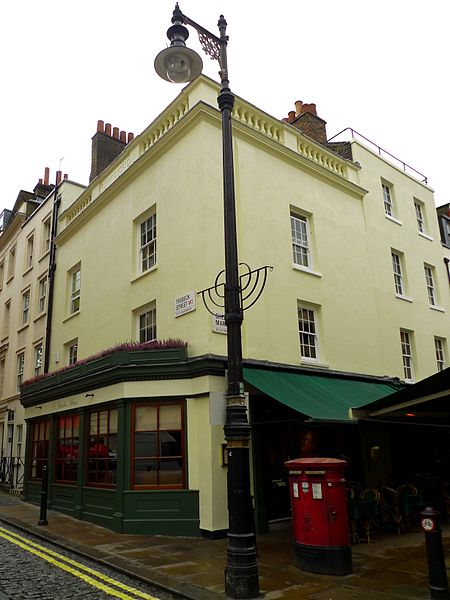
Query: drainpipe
x,y
51,272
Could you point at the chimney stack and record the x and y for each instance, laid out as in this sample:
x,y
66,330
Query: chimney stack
x,y
107,143
305,119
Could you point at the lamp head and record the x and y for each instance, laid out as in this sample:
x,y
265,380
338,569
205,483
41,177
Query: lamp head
x,y
178,64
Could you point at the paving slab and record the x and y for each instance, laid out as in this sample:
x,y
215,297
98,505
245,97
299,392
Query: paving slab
x,y
394,567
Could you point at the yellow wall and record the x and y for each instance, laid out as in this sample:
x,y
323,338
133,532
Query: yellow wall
x,y
180,174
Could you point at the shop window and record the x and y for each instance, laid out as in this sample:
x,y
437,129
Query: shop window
x,y
158,446
66,467
40,436
102,453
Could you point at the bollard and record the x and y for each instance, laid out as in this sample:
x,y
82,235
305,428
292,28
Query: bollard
x,y
437,572
44,496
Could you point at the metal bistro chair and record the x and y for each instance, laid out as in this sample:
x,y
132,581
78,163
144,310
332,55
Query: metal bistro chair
x,y
353,494
408,501
390,513
369,509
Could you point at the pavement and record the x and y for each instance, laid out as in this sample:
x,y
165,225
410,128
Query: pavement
x,y
393,567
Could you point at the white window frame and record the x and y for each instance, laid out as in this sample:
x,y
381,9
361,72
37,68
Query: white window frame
x,y
397,270
430,283
29,252
75,289
11,263
307,319
420,216
440,352
46,234
42,293
407,354
147,238
388,199
6,319
72,349
19,440
144,326
301,240
38,355
26,303
20,369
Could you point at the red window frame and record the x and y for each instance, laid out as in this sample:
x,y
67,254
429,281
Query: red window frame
x,y
158,458
100,465
39,447
67,449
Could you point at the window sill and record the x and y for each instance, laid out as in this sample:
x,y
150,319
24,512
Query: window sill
x,y
39,316
438,308
22,327
141,275
311,362
426,236
46,253
10,278
393,219
405,298
71,316
306,270
27,270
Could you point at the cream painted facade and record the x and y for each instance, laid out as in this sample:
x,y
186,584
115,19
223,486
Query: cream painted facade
x,y
24,260
173,170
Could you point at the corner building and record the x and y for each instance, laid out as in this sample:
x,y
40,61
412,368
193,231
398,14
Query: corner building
x,y
133,432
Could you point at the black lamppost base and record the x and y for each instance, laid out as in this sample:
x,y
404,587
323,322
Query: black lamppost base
x,y
242,582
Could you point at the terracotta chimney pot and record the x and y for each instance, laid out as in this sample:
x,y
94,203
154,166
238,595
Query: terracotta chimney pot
x,y
46,176
108,129
101,126
298,107
123,137
130,136
115,133
291,116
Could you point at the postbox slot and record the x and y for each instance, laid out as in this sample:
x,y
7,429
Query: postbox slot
x,y
315,472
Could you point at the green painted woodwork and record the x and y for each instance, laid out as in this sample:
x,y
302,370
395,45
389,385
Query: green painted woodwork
x,y
162,512
136,365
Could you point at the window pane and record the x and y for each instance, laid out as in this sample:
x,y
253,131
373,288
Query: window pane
x,y
76,426
103,422
170,443
170,472
146,472
146,444
146,418
93,423
113,421
170,417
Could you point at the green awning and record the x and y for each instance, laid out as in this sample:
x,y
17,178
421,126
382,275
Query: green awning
x,y
318,397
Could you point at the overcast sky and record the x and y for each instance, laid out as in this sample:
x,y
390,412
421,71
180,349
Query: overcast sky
x,y
378,67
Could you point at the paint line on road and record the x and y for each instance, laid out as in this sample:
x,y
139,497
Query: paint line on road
x,y
55,559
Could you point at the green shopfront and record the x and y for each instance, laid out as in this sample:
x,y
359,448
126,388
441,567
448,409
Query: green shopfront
x,y
114,434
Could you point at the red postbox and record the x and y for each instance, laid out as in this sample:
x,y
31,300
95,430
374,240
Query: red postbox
x,y
320,516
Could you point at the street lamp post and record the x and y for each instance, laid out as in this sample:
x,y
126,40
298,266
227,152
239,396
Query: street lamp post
x,y
180,64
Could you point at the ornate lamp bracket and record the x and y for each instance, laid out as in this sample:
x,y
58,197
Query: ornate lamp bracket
x,y
251,286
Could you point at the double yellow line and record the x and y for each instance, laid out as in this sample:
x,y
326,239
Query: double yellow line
x,y
91,576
